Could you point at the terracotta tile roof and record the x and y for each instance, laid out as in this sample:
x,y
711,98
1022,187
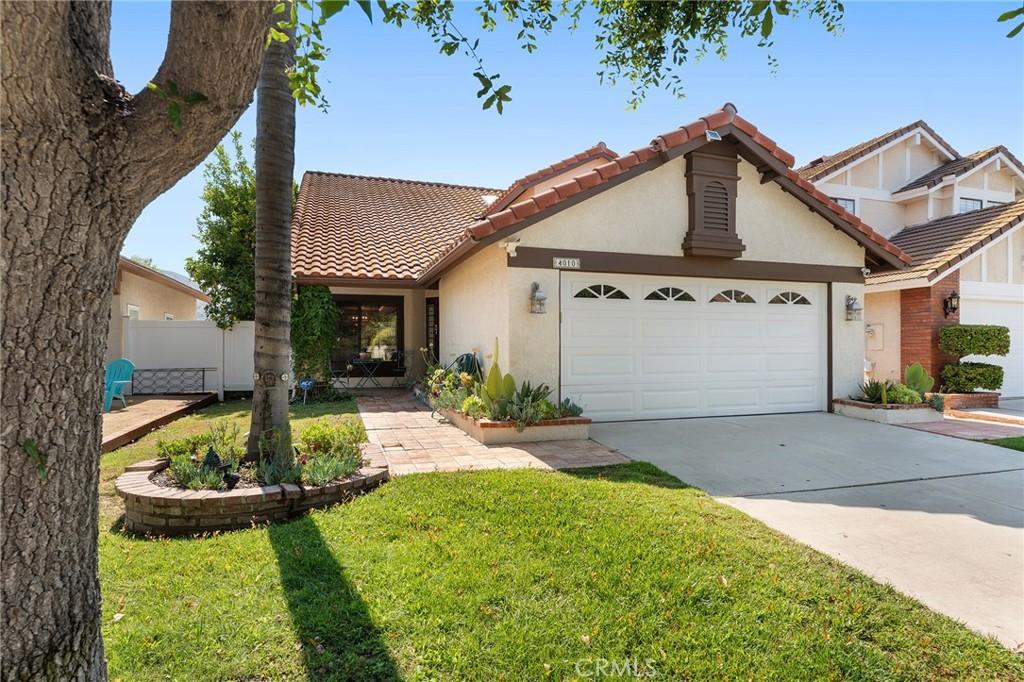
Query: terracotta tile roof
x,y
516,189
940,244
824,165
725,117
357,227
960,166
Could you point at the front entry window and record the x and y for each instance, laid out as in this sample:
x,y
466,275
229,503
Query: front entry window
x,y
369,329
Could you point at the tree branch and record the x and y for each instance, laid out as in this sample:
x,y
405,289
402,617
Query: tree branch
x,y
213,48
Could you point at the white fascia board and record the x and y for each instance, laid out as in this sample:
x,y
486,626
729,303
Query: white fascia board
x,y
935,143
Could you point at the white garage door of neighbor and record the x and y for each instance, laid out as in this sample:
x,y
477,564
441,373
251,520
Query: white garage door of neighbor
x,y
1003,305
646,347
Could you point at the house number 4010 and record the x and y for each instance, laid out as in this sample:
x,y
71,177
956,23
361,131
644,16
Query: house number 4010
x,y
566,263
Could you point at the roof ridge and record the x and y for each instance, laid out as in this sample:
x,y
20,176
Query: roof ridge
x,y
408,181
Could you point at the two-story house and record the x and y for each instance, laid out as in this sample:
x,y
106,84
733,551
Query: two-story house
x,y
960,218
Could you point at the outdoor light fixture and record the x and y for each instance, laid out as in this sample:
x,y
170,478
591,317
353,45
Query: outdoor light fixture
x,y
951,304
713,136
854,309
537,299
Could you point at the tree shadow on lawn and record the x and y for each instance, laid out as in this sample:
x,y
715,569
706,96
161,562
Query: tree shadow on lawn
x,y
632,472
339,639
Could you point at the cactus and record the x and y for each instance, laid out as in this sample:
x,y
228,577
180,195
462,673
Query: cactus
x,y
498,389
916,377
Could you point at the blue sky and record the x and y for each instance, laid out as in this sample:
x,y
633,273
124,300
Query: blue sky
x,y
400,109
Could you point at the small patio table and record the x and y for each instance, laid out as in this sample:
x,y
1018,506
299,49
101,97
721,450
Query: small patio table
x,y
370,368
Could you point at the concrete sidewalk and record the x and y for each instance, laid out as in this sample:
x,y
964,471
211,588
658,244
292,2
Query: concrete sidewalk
x,y
940,519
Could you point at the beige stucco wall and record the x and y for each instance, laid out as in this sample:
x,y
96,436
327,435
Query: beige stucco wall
x,y
916,211
886,217
922,159
474,299
882,313
154,299
865,173
970,271
1017,239
996,266
1004,262
482,298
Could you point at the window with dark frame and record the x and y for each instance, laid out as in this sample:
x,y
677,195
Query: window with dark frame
x,y
370,329
847,204
969,204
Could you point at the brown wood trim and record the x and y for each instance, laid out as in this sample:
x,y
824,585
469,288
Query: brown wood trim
x,y
368,282
685,266
828,346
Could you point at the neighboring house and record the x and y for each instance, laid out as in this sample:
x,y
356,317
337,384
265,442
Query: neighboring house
x,y
960,218
699,275
144,293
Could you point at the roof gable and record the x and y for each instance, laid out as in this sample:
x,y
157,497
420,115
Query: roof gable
x,y
943,243
962,166
756,147
826,165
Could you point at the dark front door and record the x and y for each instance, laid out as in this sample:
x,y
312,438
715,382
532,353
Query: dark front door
x,y
433,328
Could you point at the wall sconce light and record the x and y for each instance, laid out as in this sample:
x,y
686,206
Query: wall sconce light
x,y
951,304
538,299
854,309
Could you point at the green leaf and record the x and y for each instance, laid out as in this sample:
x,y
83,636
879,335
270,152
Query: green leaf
x,y
328,8
757,7
767,24
280,8
782,7
196,98
1006,16
367,7
174,113
39,458
278,36
1015,31
156,88
172,88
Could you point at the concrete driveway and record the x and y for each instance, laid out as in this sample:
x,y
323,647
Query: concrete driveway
x,y
938,518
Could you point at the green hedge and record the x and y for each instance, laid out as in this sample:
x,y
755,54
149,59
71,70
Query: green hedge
x,y
974,339
970,376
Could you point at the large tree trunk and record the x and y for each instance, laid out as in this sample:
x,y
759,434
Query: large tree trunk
x,y
275,166
81,159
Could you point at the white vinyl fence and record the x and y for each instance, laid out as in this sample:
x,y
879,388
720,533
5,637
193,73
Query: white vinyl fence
x,y
174,356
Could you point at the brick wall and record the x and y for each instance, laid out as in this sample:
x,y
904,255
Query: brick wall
x,y
921,318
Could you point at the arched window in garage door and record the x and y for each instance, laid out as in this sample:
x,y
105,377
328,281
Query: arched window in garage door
x,y
789,298
669,294
732,296
602,291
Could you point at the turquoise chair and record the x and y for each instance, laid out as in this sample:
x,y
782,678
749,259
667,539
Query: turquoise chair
x,y
118,375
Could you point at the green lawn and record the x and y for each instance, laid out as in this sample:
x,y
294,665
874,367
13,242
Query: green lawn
x,y
511,575
1014,443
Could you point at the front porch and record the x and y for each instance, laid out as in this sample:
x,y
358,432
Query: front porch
x,y
381,334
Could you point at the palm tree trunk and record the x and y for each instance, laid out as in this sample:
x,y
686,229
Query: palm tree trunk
x,y
275,165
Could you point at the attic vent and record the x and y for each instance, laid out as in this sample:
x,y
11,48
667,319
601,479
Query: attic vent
x,y
716,206
711,184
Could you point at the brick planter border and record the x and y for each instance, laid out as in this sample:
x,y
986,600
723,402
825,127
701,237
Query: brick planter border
x,y
151,509
967,401
489,432
887,414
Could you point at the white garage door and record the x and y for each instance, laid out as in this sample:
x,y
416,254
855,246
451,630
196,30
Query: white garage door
x,y
644,347
1004,305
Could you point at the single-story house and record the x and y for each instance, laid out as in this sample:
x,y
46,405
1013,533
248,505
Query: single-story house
x,y
699,275
961,219
145,293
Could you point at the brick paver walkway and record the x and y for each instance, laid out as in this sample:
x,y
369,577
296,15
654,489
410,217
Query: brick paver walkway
x,y
969,429
414,441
